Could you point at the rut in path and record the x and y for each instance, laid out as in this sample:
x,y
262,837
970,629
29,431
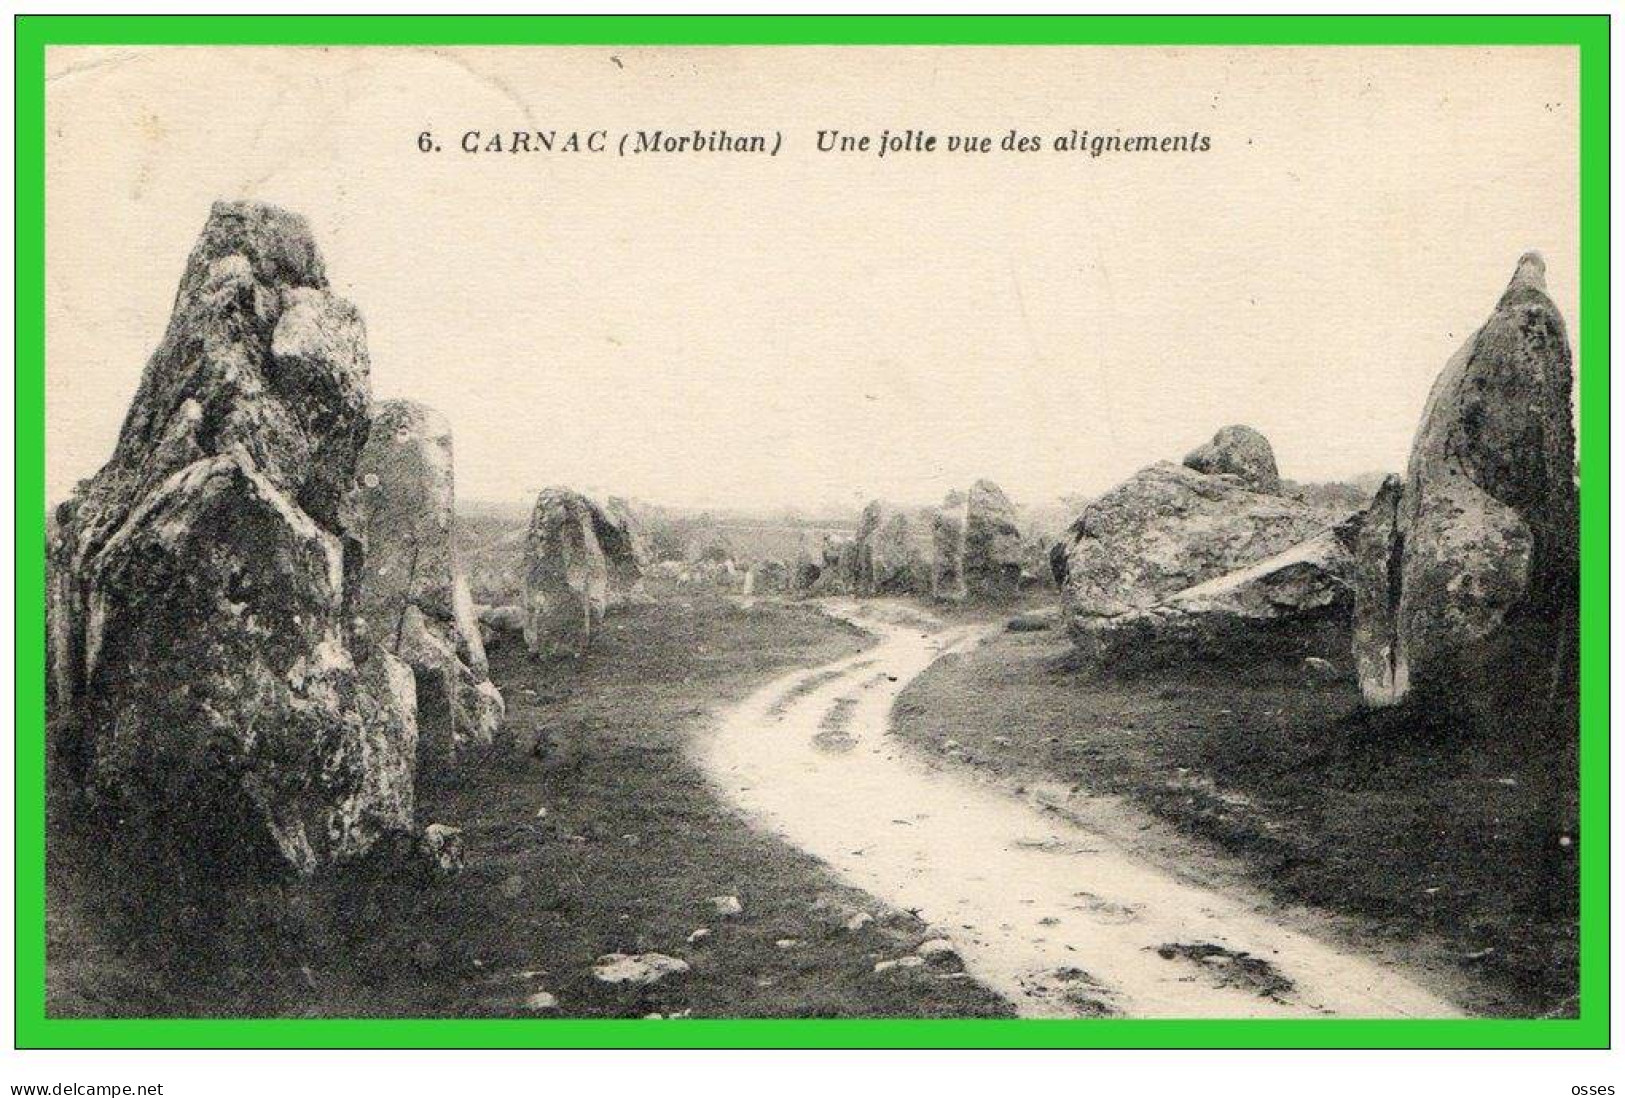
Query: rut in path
x,y
1058,918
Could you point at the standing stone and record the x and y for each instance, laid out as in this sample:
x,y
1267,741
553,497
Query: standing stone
x,y
626,557
213,688
848,563
827,564
894,551
566,576
948,550
993,547
1238,451
414,595
809,564
1471,601
1379,564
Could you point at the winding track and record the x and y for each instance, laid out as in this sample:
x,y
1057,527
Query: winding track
x,y
1058,918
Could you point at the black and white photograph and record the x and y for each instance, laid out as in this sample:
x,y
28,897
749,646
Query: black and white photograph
x,y
689,533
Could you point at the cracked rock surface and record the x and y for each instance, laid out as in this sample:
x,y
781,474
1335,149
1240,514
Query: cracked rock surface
x,y
207,680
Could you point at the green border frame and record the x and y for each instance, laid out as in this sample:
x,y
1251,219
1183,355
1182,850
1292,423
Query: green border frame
x,y
1588,34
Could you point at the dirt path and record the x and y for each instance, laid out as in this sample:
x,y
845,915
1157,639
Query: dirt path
x,y
1054,916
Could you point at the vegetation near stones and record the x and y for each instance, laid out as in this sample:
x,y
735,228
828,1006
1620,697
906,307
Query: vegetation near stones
x,y
363,747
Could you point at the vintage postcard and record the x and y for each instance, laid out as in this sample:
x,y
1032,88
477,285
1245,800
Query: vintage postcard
x,y
787,531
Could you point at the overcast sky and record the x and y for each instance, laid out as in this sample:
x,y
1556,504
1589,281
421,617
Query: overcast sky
x,y
814,328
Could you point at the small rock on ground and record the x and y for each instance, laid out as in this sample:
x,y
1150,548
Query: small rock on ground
x,y
443,846
639,969
542,1000
900,962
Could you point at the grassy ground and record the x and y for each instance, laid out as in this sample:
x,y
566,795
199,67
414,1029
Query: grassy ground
x,y
1457,854
632,847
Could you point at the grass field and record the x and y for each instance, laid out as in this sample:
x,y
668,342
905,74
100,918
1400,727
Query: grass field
x,y
632,847
1455,855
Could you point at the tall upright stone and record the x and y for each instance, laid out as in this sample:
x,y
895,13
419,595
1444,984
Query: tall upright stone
x,y
626,556
414,595
894,551
1471,598
809,564
1057,564
1378,578
948,545
566,576
993,548
209,683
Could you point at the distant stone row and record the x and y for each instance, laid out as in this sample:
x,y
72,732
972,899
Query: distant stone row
x,y
969,548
